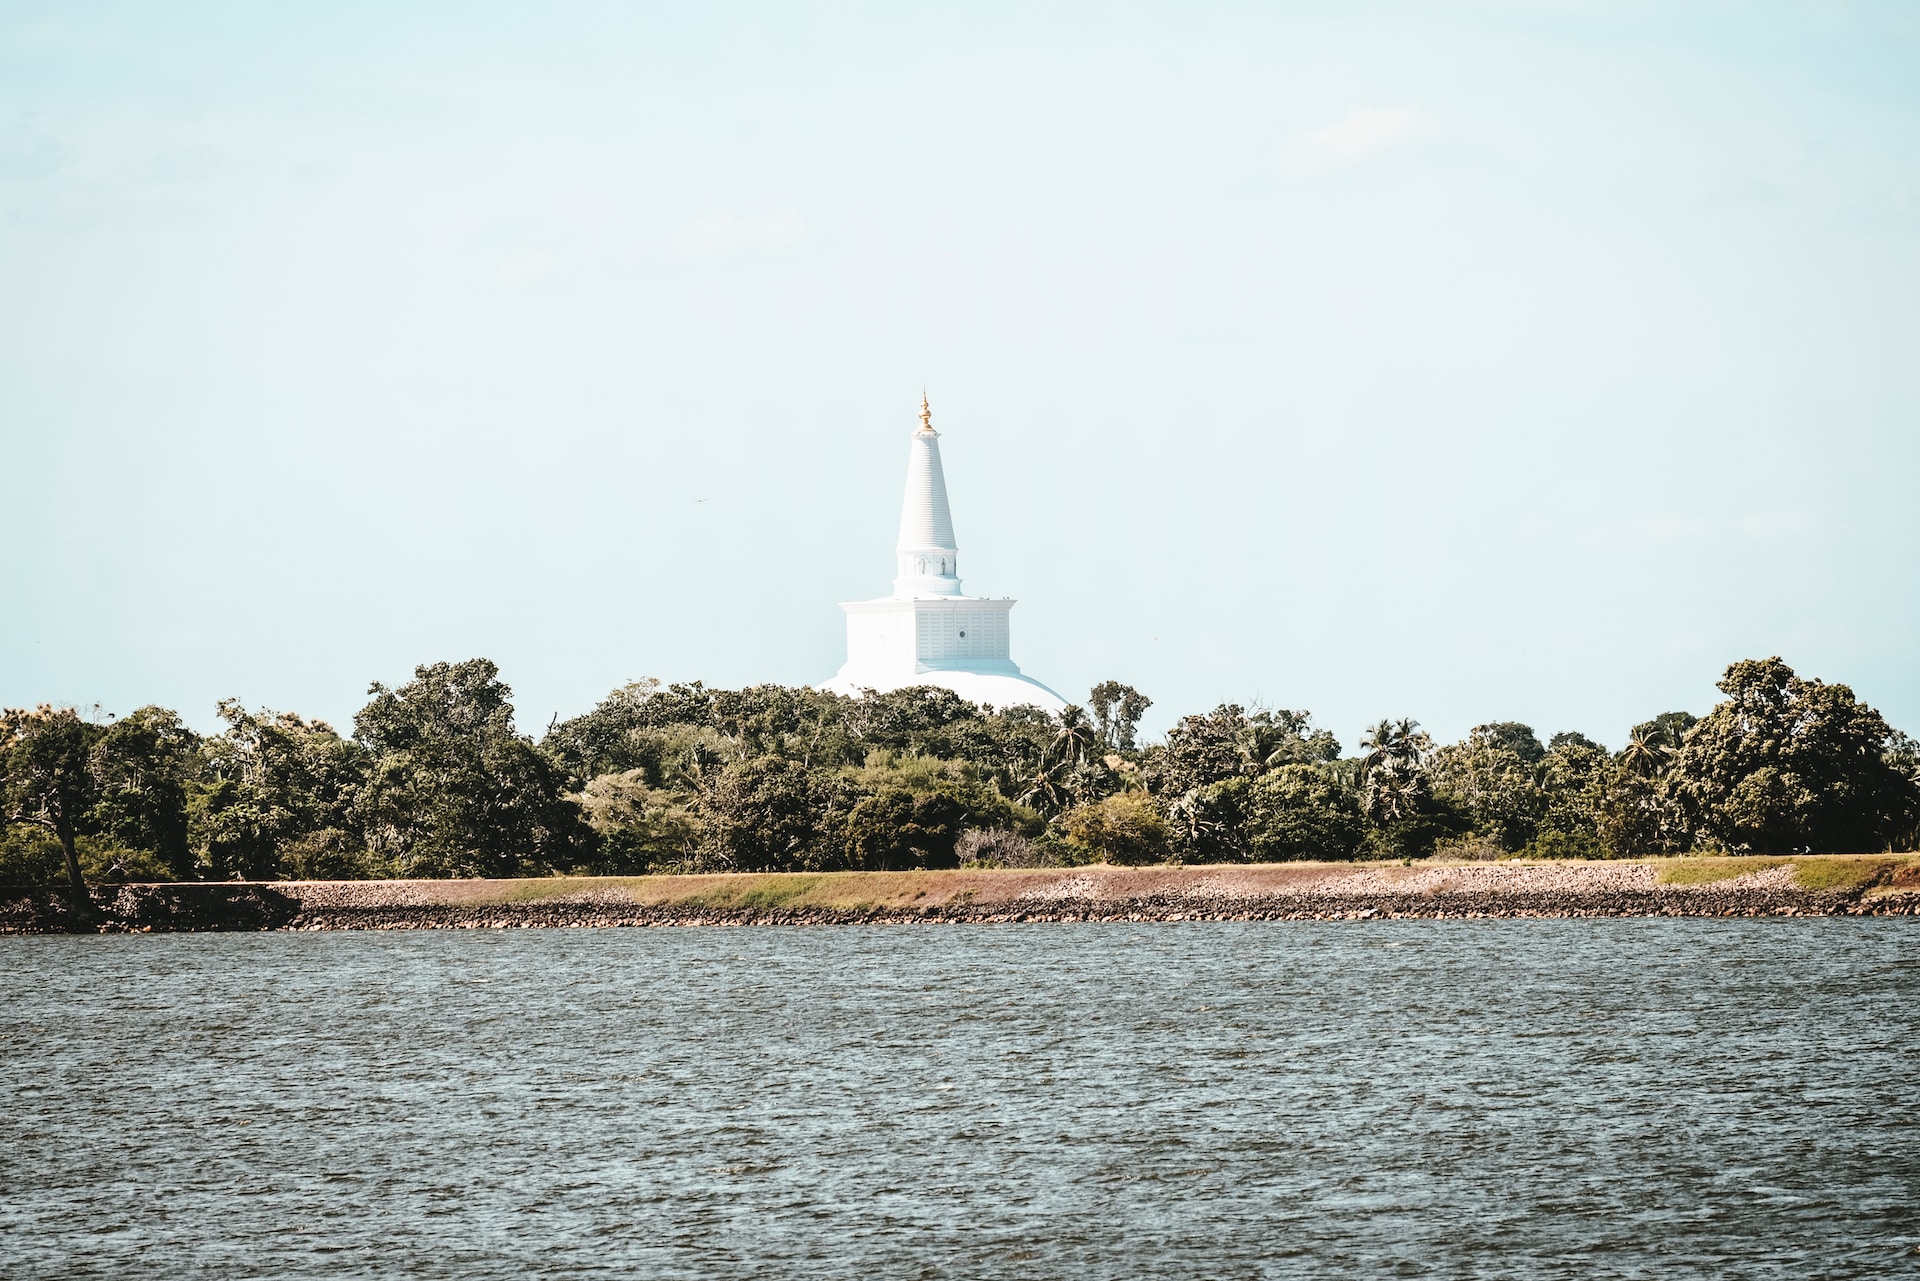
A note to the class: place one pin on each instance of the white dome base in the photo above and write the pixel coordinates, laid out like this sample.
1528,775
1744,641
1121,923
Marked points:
989,689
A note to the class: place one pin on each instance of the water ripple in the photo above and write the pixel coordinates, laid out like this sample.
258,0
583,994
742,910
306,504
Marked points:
1609,1098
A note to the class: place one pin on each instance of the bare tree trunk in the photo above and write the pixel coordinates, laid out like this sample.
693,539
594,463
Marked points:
82,901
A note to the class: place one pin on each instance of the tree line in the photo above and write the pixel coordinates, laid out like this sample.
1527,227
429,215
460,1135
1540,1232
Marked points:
435,780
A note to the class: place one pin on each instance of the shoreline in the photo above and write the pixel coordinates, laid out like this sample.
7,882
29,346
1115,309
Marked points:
1808,885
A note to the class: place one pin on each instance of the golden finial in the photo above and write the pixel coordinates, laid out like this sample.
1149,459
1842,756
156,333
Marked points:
926,412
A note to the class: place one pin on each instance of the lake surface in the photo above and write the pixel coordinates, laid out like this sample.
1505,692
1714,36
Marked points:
1630,1098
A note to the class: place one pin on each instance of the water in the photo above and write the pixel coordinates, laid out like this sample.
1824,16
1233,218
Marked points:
1635,1098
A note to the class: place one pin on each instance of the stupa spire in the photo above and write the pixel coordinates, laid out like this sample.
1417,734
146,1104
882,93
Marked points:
928,558
928,632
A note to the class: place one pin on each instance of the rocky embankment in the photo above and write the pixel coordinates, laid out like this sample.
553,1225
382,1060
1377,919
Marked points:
1694,887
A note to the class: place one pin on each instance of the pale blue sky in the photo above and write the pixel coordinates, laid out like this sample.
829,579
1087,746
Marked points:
1479,361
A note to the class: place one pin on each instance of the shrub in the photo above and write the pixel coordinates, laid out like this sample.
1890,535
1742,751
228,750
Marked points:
1471,849
998,847
1125,829
1565,845
1437,823
328,855
29,856
104,863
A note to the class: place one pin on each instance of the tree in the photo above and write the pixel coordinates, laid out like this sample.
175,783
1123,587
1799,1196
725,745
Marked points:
641,827
641,725
896,829
601,741
1303,812
1653,744
1510,736
1393,769
772,815
1208,824
911,811
1568,738
1573,778
273,782
1406,818
452,789
1046,789
143,765
1270,739
1903,757
48,780
1636,813
1073,737
1201,775
1496,775
1065,772
1117,710
1200,750
1088,781
1786,763
924,720
1636,816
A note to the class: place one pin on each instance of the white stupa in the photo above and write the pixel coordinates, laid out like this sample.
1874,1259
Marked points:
928,632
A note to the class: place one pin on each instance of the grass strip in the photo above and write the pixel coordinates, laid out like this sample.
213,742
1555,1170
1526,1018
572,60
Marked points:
1718,867
1843,873
912,890
1816,872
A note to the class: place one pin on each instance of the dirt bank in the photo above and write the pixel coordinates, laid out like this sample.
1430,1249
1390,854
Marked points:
1806,886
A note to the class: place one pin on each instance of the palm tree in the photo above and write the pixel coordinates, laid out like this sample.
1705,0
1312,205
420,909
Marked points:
1043,791
1393,771
1188,818
1075,736
1395,744
1086,782
1646,753
1391,796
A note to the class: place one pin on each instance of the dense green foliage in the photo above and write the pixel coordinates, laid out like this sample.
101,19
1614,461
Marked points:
1787,763
451,790
435,781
